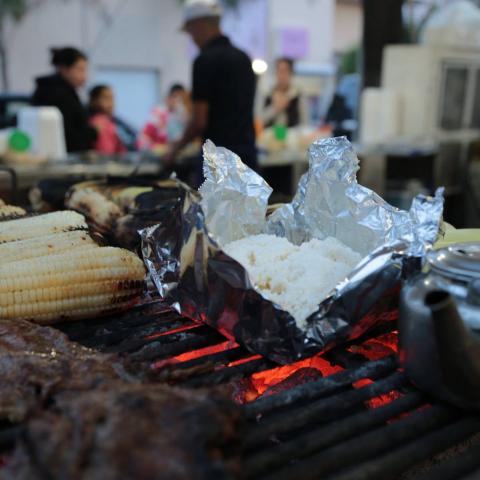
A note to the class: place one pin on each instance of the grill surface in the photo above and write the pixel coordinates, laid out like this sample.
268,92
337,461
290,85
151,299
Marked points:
348,415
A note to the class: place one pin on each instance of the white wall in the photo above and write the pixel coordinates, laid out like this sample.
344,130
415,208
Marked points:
145,34
316,16
142,33
348,26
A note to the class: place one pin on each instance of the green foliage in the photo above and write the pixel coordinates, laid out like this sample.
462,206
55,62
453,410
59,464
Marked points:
13,8
349,61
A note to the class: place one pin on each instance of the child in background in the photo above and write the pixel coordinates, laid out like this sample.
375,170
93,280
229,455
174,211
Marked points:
101,107
167,123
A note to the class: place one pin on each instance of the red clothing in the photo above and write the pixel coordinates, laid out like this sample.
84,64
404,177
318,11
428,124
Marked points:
108,141
155,133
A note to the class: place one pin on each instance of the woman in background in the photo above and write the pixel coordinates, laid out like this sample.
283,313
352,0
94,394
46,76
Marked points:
167,123
101,107
283,106
60,90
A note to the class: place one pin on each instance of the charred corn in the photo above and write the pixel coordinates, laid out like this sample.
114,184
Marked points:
88,282
98,209
9,212
47,245
34,227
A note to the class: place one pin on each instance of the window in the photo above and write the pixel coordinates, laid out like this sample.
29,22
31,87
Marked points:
455,91
136,92
475,122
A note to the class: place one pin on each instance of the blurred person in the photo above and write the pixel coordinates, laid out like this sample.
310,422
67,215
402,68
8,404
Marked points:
337,114
101,107
223,87
167,123
284,104
60,90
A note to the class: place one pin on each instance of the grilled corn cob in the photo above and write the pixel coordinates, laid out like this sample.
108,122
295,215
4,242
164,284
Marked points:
98,209
85,283
34,227
9,212
47,245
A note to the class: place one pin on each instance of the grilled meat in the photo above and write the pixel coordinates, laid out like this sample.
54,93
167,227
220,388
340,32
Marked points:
38,362
149,432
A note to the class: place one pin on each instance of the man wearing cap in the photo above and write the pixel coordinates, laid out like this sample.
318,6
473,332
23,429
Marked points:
223,89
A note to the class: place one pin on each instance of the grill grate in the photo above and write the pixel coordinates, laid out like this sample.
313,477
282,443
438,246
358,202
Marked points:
357,419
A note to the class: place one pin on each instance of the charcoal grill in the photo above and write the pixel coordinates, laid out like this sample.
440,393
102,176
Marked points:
350,414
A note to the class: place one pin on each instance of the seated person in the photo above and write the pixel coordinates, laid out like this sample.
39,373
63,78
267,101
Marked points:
167,123
101,107
60,90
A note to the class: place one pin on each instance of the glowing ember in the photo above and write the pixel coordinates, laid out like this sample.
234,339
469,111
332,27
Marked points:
181,329
300,377
260,383
381,399
201,352
244,360
377,348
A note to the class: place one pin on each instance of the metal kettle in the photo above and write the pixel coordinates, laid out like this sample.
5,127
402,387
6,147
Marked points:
440,326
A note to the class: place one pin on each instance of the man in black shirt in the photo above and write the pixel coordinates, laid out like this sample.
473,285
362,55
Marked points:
223,89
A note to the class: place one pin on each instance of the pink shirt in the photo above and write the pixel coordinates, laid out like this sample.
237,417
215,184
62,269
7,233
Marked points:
108,141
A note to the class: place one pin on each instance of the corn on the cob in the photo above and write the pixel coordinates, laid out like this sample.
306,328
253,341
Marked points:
34,227
85,283
98,209
10,212
47,245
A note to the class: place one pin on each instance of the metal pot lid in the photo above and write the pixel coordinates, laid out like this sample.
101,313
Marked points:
460,261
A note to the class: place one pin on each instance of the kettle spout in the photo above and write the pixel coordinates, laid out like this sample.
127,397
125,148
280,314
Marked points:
458,348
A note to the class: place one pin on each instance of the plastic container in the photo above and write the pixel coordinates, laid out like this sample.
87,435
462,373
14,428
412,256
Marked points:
280,132
44,125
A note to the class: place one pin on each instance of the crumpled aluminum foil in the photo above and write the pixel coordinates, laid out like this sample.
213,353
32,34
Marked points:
202,282
232,191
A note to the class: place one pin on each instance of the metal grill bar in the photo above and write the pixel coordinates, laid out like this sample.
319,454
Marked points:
221,358
322,387
228,374
177,344
368,445
317,439
320,411
455,469
398,461
128,323
291,435
474,476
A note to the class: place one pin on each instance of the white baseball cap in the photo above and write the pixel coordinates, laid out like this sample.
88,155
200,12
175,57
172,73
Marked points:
200,9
